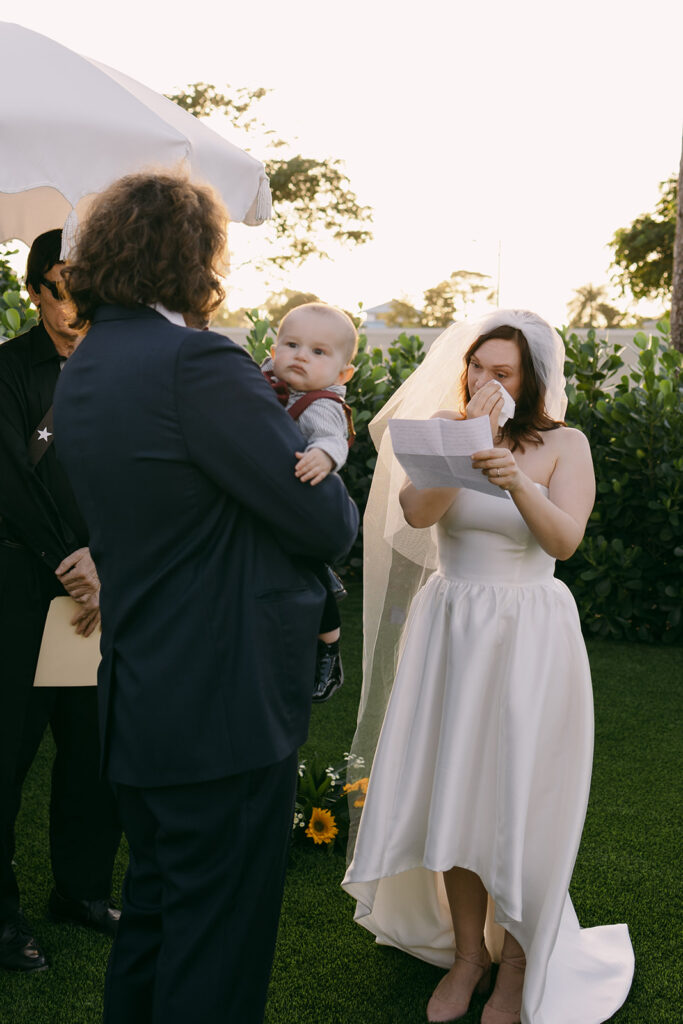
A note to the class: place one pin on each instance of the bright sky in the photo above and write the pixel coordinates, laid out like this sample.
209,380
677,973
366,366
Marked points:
535,127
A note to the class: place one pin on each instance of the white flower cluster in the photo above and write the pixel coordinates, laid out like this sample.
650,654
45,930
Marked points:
332,775
301,769
299,820
353,761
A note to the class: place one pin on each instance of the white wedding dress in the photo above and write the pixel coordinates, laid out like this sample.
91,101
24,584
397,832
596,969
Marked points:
484,761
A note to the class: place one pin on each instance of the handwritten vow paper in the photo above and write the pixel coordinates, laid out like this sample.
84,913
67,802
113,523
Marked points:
436,453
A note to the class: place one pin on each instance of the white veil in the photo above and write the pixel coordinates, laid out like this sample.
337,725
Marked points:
398,559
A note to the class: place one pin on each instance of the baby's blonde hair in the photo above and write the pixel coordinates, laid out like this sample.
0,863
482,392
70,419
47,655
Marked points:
348,333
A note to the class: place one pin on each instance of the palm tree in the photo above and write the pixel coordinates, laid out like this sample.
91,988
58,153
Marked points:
589,308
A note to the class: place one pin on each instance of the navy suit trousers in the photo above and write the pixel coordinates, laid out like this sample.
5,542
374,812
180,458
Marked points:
201,899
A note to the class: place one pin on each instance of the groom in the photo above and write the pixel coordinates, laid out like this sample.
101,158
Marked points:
182,460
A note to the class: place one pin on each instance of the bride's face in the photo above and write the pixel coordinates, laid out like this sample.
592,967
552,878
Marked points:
496,359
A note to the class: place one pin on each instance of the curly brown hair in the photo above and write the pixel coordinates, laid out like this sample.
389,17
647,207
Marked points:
530,418
150,237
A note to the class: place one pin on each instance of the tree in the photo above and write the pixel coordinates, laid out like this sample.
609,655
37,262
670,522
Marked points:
442,303
451,296
280,303
589,308
275,307
225,317
610,315
313,203
202,100
677,291
401,314
643,252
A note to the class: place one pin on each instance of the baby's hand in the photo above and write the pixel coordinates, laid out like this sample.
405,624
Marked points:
313,466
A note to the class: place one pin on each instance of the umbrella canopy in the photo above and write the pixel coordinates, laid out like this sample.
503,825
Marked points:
69,127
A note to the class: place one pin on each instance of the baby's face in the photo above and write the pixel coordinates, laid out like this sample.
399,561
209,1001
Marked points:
310,353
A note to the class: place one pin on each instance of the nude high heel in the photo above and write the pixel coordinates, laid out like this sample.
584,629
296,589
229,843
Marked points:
451,998
499,1008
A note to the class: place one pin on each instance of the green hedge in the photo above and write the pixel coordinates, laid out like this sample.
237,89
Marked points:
627,576
16,312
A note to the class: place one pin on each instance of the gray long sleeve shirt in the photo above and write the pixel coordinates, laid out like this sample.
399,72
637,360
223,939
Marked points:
323,423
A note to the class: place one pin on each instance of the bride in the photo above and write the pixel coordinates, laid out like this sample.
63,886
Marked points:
481,773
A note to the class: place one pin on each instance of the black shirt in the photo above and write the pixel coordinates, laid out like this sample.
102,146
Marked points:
37,505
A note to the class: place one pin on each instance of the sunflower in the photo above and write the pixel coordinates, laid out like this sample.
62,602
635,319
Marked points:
322,828
361,785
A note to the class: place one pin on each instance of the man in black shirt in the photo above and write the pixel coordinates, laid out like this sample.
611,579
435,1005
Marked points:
44,554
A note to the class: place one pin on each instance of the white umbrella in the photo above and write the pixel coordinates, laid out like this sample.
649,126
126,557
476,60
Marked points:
70,126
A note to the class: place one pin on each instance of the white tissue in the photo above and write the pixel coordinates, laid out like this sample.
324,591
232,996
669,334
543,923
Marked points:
508,410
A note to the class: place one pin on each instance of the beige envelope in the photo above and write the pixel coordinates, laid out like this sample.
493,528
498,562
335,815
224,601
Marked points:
66,659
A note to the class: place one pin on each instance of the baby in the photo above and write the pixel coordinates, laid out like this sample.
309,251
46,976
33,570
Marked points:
310,363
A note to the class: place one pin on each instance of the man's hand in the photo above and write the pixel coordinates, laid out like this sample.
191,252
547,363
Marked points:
313,466
78,575
87,617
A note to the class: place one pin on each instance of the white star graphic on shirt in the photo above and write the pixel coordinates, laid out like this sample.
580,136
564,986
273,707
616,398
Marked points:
44,434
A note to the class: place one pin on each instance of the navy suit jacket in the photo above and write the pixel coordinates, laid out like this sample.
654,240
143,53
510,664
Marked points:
182,462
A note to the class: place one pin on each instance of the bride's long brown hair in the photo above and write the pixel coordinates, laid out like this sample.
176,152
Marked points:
530,418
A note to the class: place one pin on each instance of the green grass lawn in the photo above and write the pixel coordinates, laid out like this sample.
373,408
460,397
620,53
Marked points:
328,970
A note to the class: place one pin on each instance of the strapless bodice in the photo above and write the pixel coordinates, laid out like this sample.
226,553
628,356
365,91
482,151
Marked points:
484,539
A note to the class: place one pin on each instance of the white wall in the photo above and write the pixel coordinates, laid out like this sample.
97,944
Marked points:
378,337
382,337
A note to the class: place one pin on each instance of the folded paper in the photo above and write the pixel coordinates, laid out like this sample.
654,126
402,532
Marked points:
437,452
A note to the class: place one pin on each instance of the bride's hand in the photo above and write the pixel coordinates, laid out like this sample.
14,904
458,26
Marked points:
498,464
487,401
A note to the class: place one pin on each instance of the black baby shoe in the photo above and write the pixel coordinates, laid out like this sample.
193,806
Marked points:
329,672
334,584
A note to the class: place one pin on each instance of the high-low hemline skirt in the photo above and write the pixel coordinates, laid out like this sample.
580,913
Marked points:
484,761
